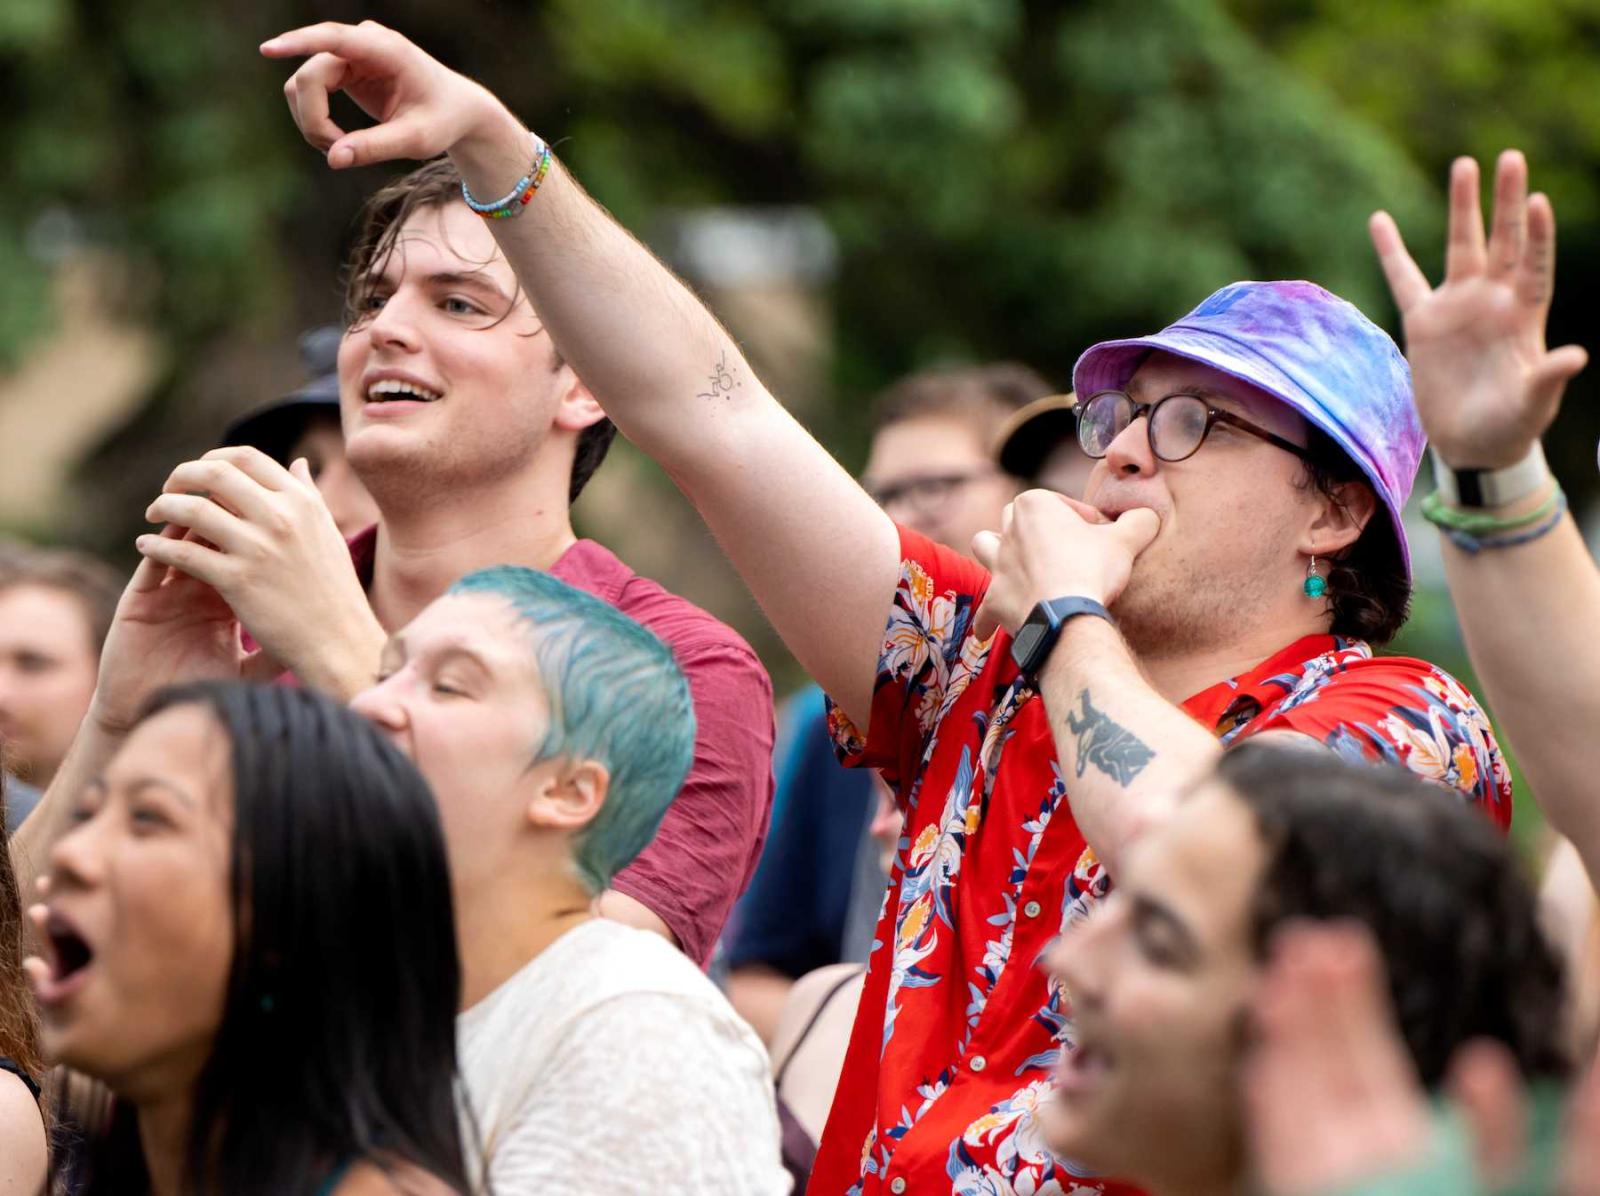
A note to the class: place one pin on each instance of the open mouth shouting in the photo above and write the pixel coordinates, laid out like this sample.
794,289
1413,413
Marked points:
1082,1069
64,967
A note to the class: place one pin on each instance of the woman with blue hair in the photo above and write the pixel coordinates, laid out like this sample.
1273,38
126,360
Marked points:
556,732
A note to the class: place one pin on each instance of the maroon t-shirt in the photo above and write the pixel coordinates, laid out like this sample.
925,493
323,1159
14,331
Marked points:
703,856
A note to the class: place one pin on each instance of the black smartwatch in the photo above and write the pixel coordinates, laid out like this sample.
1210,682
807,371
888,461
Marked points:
1037,636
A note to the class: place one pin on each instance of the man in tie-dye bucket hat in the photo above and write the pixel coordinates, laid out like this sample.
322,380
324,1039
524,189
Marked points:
1306,362
1206,591
1243,532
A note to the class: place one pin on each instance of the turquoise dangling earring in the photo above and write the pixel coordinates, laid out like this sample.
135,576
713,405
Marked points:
1316,585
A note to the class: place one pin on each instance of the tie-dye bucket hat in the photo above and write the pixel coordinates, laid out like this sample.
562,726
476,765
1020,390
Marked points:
1312,350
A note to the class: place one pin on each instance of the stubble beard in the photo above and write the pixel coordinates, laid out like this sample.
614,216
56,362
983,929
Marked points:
1179,607
434,474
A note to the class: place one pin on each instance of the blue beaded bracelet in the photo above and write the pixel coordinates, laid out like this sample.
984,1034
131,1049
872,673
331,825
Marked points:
512,203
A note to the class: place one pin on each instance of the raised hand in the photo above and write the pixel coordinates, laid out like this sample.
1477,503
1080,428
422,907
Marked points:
422,106
169,630
268,546
1052,546
1486,385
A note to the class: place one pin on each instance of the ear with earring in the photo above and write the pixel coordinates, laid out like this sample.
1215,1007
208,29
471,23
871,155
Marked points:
1316,585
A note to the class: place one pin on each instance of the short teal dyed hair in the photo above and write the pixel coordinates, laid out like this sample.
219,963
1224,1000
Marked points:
616,697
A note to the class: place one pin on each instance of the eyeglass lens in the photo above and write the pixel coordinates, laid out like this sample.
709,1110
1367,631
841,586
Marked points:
1177,424
926,493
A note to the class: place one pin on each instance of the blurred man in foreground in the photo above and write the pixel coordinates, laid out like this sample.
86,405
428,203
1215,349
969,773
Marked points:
1276,842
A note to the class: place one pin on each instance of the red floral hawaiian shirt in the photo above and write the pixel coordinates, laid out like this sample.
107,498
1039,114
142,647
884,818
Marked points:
958,1031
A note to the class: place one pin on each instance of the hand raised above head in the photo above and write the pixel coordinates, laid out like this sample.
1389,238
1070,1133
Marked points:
1486,386
1052,546
422,107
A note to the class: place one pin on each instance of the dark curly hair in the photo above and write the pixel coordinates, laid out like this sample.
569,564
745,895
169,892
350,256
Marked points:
1439,888
433,185
1367,583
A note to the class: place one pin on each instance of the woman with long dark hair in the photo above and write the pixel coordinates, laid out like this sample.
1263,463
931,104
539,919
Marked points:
250,941
22,1136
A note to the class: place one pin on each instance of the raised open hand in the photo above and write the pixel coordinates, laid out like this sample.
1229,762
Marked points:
422,106
1486,386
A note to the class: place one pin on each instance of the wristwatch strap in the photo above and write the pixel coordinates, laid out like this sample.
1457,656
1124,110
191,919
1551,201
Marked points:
1055,613
1071,606
1491,487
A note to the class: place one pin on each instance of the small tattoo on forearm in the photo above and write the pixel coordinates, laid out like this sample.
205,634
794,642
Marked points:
1110,747
722,381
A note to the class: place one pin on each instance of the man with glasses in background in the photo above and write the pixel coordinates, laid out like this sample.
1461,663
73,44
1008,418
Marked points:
931,464
1211,586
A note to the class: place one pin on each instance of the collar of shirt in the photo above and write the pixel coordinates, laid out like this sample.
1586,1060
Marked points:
1220,706
587,565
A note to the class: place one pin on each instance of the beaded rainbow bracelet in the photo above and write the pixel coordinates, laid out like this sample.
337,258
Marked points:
512,203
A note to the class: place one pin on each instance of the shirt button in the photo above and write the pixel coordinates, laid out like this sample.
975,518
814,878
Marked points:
978,1063
897,1185
1031,910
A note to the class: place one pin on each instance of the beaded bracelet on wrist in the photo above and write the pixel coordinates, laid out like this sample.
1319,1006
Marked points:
512,203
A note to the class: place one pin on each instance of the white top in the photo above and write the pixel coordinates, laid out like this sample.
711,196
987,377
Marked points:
610,1063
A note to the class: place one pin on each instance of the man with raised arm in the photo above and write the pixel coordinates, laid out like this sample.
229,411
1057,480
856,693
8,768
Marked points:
1243,523
474,436
1525,587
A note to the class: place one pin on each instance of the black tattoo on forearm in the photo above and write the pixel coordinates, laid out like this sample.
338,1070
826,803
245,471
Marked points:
722,380
1110,747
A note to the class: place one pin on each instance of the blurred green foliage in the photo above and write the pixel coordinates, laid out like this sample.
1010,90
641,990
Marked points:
1448,77
1006,178
140,126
